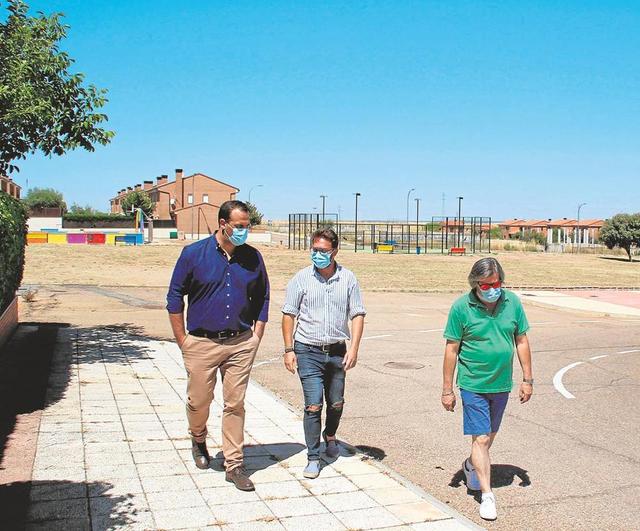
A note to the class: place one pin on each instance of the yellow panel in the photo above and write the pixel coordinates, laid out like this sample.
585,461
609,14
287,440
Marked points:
57,238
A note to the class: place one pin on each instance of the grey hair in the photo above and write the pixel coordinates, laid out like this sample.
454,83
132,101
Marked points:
483,268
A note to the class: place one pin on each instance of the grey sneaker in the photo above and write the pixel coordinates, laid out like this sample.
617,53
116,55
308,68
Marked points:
312,470
332,449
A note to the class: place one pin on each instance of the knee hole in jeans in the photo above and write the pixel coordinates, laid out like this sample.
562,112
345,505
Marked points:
313,408
337,405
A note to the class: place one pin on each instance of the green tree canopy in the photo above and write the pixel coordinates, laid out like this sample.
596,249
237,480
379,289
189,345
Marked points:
43,107
138,199
86,210
44,198
622,230
255,216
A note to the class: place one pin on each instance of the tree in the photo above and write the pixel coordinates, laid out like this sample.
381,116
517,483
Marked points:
255,216
43,107
86,210
622,230
138,199
44,198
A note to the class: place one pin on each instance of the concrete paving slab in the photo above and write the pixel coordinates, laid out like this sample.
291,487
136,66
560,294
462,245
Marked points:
128,465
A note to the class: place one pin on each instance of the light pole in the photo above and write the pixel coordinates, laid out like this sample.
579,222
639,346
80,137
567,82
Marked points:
355,240
251,190
323,200
408,194
460,198
417,223
578,225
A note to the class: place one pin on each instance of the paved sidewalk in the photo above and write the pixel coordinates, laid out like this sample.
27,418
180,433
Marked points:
113,453
584,301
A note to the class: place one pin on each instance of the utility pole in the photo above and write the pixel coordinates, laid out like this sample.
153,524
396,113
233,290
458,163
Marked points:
459,219
578,226
323,200
417,223
408,194
355,240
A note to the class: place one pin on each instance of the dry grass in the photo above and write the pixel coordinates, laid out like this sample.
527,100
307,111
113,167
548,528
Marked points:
151,266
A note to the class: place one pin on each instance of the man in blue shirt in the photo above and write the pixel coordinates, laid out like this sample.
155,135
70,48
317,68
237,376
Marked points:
227,288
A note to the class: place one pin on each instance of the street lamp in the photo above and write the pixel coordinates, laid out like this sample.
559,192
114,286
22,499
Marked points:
408,194
578,225
355,241
459,217
417,223
323,200
253,188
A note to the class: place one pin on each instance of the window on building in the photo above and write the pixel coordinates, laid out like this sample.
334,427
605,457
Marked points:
190,199
205,198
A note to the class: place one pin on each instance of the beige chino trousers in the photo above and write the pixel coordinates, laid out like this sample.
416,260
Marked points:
234,358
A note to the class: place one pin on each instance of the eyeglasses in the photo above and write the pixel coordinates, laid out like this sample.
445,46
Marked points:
486,287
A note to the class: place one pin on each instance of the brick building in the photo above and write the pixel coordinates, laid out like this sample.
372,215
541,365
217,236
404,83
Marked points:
191,202
9,187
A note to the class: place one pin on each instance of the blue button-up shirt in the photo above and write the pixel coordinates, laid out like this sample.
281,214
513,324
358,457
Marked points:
223,294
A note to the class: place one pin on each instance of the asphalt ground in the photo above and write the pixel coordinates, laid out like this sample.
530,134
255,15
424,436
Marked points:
558,462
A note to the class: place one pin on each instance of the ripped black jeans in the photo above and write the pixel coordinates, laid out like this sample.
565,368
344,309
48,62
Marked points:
322,376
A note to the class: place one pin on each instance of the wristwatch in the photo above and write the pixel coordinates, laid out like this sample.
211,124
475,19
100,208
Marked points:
288,349
527,380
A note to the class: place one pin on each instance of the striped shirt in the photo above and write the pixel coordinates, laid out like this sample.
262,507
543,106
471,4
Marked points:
323,307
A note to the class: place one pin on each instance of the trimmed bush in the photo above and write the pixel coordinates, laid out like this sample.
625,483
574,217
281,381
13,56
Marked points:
13,238
94,218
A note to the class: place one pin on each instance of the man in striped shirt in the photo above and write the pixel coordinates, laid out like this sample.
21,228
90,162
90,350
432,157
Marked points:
323,297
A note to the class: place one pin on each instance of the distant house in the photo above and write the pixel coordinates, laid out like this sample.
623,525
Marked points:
555,231
9,187
190,204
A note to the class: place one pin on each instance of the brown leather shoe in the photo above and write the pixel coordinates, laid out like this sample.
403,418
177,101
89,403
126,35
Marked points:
239,478
200,454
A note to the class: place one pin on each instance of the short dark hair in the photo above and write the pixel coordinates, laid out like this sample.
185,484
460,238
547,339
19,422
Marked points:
229,206
326,234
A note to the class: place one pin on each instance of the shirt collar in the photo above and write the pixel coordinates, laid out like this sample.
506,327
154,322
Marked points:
335,276
473,299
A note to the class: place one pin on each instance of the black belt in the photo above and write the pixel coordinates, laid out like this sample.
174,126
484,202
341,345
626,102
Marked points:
330,347
220,334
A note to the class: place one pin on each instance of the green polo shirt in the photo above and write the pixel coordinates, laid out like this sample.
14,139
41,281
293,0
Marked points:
487,341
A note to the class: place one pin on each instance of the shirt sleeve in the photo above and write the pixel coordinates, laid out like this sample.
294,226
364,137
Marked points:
522,321
455,328
266,293
356,306
179,285
293,297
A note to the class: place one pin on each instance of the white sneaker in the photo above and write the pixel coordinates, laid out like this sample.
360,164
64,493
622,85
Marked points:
488,509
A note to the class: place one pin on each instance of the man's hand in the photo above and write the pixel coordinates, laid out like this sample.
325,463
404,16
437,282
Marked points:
526,390
448,400
180,340
291,362
350,359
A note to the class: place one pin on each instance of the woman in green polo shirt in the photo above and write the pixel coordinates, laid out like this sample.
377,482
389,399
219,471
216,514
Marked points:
484,328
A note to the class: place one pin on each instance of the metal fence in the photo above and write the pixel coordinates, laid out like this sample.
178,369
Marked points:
438,236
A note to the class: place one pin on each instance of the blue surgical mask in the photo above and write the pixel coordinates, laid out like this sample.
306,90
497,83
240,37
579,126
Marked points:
321,260
491,295
239,236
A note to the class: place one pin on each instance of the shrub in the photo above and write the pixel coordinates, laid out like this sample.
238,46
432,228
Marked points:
97,217
13,238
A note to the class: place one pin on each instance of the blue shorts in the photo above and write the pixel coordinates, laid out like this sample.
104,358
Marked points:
482,412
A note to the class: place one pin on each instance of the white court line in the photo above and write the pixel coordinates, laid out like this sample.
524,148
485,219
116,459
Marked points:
415,315
432,330
557,378
377,337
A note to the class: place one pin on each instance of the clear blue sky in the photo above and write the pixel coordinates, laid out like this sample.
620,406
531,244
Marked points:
524,108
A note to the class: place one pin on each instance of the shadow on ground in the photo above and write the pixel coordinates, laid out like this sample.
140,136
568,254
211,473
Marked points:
65,505
501,476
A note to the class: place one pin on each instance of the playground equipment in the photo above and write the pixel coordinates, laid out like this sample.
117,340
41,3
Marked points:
443,235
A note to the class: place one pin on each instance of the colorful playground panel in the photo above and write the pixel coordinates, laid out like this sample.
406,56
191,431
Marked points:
58,238
37,237
96,238
76,238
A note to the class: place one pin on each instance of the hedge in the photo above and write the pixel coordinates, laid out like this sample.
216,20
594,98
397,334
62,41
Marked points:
13,238
93,218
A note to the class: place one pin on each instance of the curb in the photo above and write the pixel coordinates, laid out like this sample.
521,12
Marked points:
463,520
